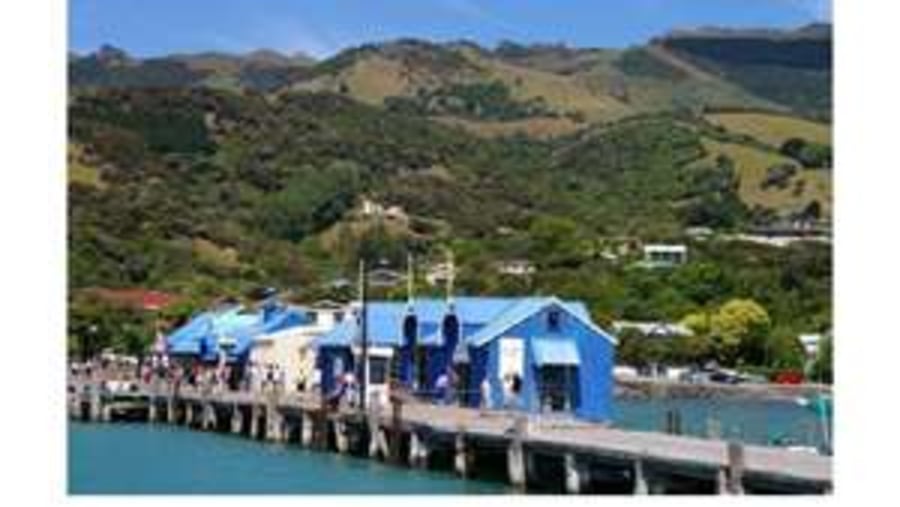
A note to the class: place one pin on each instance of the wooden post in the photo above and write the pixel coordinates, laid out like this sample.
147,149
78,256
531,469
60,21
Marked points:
735,475
307,422
237,419
170,409
189,413
341,440
396,428
418,450
106,411
96,413
152,415
461,458
208,421
274,429
515,454
576,474
254,421
640,479
378,441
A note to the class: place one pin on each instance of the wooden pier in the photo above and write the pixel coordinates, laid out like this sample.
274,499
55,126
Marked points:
546,453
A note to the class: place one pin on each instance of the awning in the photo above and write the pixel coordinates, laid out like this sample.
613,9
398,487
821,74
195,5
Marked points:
558,352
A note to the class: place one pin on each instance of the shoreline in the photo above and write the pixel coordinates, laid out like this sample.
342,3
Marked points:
640,388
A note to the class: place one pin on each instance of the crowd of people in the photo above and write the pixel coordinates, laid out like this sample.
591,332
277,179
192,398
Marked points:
270,377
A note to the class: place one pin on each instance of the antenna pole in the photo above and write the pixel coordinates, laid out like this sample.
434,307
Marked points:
364,371
451,276
410,279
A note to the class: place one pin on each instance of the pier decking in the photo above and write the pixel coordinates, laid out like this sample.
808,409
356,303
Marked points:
543,452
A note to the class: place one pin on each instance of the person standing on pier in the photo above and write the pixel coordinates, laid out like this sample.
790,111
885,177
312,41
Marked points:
485,394
442,385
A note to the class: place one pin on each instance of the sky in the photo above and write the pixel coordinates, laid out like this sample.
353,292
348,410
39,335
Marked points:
322,28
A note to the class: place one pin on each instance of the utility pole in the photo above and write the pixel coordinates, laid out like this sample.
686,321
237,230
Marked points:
364,337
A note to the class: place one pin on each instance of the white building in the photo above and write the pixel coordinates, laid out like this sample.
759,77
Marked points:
653,329
440,273
517,267
664,256
292,349
811,344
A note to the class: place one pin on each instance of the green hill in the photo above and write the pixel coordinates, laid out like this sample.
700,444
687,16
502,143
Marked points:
204,174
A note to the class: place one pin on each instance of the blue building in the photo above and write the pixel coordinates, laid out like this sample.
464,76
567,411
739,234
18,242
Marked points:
231,329
550,349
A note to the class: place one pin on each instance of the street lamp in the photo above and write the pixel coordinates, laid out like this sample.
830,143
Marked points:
364,336
87,341
364,331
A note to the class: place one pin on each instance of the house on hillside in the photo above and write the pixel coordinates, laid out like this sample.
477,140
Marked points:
664,256
536,354
516,267
652,329
385,277
374,210
440,273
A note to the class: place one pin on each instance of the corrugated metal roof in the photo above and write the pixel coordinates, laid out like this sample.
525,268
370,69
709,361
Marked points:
233,323
528,307
482,318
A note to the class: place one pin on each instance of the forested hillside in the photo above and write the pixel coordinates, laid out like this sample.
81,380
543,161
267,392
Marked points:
211,175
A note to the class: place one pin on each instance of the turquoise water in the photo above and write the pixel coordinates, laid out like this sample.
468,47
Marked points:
752,421
151,459
141,459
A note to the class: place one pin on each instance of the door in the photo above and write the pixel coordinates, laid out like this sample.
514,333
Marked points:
558,388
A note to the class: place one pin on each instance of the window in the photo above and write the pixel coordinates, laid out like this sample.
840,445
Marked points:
553,319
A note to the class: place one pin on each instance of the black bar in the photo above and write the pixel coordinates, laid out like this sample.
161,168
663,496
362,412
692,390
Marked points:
363,374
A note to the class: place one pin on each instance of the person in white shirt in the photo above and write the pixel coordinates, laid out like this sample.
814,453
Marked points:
485,394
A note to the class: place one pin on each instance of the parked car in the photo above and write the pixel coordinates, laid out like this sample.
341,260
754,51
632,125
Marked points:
725,377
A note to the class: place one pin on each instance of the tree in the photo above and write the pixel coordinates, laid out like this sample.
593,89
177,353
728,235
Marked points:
739,329
823,368
699,346
554,239
638,350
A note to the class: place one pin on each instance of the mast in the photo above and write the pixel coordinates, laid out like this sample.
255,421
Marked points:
450,277
364,336
410,281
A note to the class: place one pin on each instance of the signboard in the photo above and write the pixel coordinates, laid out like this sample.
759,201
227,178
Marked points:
512,357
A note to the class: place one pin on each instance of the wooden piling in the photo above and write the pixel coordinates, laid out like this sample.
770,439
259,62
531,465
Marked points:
418,450
515,454
237,419
341,438
461,458
254,421
307,428
396,428
576,474
640,479
735,475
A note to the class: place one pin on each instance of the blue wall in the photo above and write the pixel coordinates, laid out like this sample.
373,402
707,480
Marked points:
594,386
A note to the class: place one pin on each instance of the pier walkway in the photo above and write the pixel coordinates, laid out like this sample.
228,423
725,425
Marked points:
530,451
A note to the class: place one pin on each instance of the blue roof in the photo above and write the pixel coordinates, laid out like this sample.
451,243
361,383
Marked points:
481,318
202,333
525,308
555,351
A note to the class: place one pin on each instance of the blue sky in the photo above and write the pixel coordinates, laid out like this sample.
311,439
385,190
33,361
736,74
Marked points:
324,27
